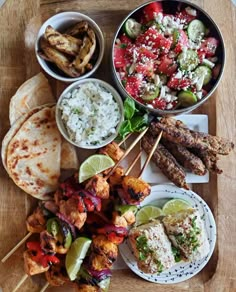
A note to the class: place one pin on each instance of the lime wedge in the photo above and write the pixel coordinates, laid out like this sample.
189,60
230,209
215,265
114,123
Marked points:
93,165
75,256
104,284
174,206
147,213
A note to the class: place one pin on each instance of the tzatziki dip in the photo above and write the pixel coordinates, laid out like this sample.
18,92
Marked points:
90,114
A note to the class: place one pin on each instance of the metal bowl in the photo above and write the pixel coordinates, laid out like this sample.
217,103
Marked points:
61,22
61,125
171,6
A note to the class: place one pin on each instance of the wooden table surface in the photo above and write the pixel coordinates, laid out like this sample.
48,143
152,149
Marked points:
19,23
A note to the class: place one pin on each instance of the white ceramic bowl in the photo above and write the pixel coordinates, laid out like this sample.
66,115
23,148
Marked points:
61,124
61,22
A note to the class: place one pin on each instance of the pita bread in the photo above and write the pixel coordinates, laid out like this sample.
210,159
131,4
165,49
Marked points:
34,92
34,154
69,159
13,130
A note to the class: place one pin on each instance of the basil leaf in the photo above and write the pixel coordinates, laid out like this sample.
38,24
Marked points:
129,108
125,129
139,123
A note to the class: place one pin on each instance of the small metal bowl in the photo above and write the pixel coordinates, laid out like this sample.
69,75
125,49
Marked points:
171,6
61,22
61,125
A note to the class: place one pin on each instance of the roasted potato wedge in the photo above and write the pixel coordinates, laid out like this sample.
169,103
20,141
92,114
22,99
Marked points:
86,51
58,58
78,29
63,42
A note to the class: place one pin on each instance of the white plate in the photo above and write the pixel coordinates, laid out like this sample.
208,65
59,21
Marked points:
152,174
182,270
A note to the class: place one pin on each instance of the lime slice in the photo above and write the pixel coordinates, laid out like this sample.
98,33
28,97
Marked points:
147,213
75,256
94,165
174,206
104,284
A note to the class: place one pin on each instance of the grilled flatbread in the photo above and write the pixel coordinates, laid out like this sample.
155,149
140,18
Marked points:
34,92
69,159
34,154
13,130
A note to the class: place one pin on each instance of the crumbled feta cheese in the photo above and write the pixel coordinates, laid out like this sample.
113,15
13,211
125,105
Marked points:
191,11
199,94
179,75
208,63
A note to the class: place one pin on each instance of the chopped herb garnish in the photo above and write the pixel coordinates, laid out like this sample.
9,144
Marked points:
176,253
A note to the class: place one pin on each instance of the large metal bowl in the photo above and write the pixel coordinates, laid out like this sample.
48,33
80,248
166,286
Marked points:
171,6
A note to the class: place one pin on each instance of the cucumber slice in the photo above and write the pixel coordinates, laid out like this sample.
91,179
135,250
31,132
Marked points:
196,30
203,71
176,35
151,94
188,60
187,98
132,28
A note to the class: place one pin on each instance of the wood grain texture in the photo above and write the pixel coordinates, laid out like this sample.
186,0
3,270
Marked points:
19,22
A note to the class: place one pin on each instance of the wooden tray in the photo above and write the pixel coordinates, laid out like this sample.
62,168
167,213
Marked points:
18,62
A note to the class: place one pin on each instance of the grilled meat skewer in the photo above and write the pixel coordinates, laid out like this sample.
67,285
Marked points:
185,158
165,161
191,139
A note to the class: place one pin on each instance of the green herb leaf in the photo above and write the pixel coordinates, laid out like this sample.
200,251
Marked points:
138,123
125,129
129,108
176,253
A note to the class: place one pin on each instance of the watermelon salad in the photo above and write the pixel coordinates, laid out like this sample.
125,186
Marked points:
166,61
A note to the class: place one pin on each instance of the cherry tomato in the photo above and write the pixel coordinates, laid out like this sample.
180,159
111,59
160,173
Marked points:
151,10
167,66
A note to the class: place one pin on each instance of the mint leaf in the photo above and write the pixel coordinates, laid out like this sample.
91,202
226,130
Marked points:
129,108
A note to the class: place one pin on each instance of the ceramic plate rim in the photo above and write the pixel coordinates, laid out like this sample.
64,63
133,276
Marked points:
171,191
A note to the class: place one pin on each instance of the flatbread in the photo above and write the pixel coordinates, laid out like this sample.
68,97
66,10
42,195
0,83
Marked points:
14,129
69,159
34,154
34,92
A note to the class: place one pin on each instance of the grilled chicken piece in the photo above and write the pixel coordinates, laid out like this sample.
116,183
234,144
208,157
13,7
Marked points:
36,222
101,245
50,244
135,189
116,178
119,220
104,253
70,211
124,220
191,139
57,275
58,58
187,159
63,42
113,150
86,288
165,161
98,186
100,262
30,266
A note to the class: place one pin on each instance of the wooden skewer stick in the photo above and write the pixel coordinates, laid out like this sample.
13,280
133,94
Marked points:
21,282
16,247
150,154
126,137
126,153
45,287
133,163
